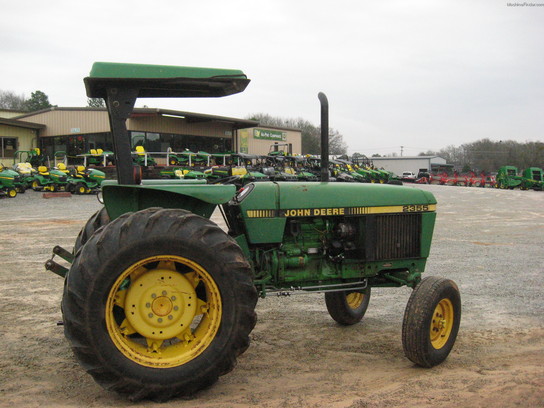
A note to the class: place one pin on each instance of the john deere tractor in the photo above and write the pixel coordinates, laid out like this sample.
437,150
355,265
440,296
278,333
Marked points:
85,180
160,301
10,182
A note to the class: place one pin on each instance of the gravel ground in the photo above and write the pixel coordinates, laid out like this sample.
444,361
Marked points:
489,241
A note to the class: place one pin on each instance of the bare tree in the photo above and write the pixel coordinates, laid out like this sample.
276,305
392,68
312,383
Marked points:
12,101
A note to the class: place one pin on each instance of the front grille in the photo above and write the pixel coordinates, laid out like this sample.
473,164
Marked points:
393,236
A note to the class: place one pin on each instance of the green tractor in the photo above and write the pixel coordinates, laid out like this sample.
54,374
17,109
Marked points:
142,158
27,173
85,181
507,178
55,179
532,178
10,182
97,157
34,157
159,301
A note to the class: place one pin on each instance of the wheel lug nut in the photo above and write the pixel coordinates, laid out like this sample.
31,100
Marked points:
150,314
159,320
148,305
176,308
164,293
170,317
153,295
173,298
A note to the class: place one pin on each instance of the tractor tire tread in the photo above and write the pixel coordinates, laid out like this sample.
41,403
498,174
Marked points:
416,322
341,312
106,242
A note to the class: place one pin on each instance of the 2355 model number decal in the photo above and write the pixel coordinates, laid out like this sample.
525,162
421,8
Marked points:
415,208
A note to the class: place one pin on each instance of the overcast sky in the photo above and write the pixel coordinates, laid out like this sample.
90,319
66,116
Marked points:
418,74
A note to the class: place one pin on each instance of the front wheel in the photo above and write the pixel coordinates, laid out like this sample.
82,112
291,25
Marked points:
347,308
159,303
431,321
80,188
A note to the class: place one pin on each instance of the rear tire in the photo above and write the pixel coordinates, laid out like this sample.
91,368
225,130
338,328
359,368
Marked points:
348,308
431,321
159,303
98,220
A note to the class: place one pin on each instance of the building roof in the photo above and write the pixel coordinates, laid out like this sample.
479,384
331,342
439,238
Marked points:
193,117
20,123
190,117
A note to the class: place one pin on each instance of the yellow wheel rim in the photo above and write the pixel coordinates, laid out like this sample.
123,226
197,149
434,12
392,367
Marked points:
81,190
354,299
12,193
159,317
35,184
442,323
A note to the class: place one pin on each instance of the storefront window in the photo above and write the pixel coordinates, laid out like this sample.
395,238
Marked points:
8,146
74,146
160,142
137,139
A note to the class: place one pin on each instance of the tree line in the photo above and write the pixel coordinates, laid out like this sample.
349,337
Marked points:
487,155
10,100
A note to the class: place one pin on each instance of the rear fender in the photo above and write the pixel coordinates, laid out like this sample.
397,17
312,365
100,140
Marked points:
200,199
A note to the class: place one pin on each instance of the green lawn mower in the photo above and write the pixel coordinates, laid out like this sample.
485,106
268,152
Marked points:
10,182
85,181
50,180
159,301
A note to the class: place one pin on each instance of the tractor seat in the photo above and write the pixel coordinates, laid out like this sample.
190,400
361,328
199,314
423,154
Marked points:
43,171
140,150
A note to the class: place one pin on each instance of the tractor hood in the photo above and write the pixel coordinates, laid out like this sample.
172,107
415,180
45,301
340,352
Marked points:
285,196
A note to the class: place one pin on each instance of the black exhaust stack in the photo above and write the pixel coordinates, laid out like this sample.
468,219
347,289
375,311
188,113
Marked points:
324,136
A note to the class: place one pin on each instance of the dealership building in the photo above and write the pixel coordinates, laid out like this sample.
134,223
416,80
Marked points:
76,131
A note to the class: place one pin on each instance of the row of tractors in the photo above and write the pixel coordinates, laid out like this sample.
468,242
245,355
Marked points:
240,168
277,165
34,174
508,177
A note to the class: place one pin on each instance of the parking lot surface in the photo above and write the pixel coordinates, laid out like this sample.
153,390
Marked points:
489,241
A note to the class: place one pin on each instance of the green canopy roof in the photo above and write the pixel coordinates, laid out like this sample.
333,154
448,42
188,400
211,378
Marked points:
164,80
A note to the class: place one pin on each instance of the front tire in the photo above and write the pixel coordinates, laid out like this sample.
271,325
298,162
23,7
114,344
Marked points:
348,308
159,303
431,321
